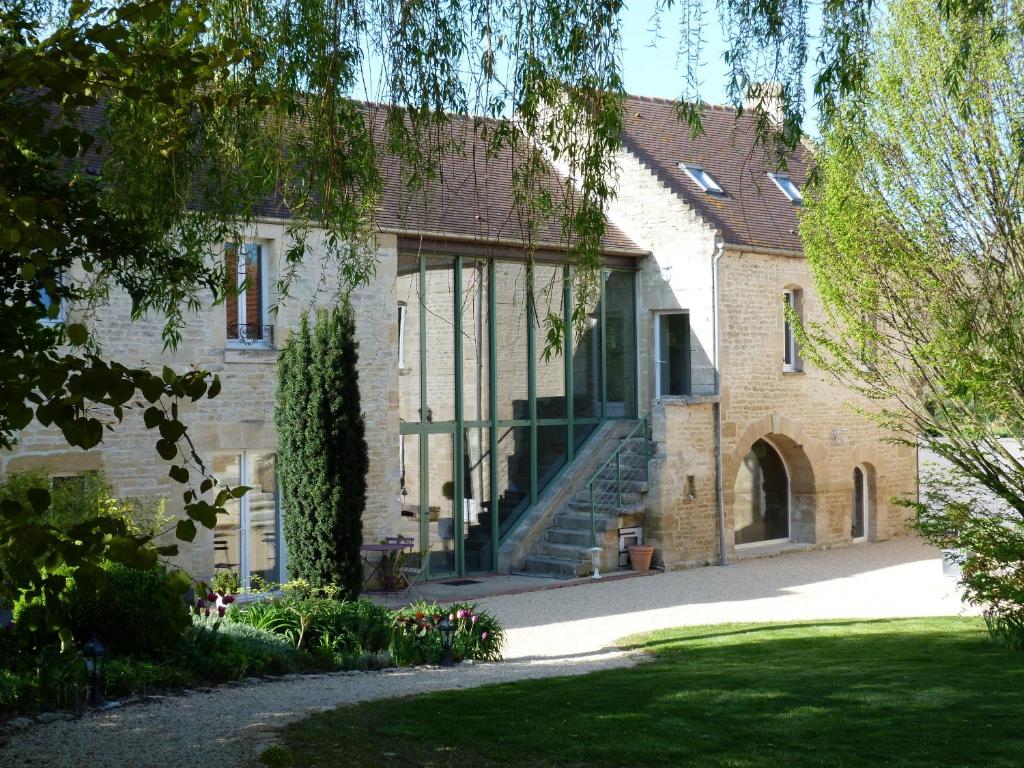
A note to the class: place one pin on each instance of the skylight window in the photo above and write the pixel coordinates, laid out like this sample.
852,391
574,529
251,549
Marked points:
789,189
702,178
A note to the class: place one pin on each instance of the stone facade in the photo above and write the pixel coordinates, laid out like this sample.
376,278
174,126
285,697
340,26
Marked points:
241,418
805,415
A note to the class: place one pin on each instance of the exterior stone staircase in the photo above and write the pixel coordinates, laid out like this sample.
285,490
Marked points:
616,492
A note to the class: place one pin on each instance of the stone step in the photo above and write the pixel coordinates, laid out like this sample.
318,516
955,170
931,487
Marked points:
575,536
578,521
535,565
607,508
573,552
631,491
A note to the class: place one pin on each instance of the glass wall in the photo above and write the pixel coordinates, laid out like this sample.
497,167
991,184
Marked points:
490,411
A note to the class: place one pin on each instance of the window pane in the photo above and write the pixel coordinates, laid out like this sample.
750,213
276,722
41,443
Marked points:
549,294
441,510
552,452
253,291
407,290
231,300
674,354
439,327
477,502
264,535
513,465
620,320
475,348
513,368
227,469
409,484
586,367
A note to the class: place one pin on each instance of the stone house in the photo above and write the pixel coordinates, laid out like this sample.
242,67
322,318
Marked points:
683,409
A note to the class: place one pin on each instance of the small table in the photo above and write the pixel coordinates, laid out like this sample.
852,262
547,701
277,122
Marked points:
375,569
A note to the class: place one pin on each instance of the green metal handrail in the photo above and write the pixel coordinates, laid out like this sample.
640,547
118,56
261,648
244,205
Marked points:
643,427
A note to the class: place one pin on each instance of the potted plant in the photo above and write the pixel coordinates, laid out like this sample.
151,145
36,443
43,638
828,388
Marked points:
640,556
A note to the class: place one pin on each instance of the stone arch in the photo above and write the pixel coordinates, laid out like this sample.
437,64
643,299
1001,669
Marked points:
787,438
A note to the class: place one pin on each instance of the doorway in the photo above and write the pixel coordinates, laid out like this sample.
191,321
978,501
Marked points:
762,507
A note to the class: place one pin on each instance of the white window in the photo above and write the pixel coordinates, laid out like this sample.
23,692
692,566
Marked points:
788,187
403,310
702,178
790,351
247,318
247,538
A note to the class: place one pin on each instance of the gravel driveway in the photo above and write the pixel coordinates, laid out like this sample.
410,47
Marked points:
551,632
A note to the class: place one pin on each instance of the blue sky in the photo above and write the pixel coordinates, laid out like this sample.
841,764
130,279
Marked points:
649,61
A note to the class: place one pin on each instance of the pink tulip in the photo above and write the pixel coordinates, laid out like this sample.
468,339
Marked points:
484,636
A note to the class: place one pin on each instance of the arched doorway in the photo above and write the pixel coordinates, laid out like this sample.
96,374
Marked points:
761,511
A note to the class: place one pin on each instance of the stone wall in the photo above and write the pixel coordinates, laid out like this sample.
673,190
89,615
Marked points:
805,415
242,416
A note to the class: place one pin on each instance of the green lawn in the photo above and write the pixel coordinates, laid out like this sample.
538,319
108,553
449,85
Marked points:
925,692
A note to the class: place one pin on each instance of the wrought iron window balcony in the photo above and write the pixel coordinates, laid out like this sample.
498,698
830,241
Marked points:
249,334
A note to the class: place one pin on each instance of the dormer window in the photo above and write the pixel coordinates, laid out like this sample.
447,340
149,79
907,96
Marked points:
789,189
702,179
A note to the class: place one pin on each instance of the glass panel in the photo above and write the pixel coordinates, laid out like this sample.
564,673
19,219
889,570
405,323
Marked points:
513,368
475,349
477,504
439,327
552,452
407,289
227,556
548,296
264,538
441,502
674,354
761,509
620,319
513,466
586,368
859,503
583,431
409,485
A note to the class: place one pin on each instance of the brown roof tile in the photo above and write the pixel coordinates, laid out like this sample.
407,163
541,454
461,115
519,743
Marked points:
753,212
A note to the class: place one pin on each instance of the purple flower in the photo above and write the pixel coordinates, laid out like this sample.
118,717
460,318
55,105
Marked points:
200,604
451,617
472,618
206,612
220,610
460,614
229,599
212,597
484,636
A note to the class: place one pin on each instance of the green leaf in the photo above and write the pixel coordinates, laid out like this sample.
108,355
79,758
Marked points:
77,334
169,376
185,530
152,416
39,498
178,473
167,450
239,491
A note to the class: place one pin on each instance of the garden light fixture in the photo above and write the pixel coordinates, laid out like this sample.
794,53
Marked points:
447,629
95,654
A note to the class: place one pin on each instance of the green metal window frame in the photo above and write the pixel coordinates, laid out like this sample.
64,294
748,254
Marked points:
457,428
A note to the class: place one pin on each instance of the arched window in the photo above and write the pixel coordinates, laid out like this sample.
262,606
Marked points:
861,504
792,299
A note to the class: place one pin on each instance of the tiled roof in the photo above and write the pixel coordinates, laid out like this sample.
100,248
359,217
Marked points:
753,212
471,199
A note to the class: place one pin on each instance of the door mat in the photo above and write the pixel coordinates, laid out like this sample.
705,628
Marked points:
460,582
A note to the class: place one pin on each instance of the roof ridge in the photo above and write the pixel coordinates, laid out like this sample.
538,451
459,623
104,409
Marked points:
674,101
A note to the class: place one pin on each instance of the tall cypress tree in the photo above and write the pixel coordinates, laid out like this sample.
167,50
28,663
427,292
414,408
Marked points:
322,454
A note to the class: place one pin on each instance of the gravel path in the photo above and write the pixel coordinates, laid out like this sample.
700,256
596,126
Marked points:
551,632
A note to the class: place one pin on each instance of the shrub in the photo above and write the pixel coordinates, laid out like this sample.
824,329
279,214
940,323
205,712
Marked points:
134,612
415,638
989,538
341,628
322,454
219,650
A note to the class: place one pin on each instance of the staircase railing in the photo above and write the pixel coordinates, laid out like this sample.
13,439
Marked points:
606,484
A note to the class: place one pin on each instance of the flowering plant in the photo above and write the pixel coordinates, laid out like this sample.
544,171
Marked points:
214,601
416,639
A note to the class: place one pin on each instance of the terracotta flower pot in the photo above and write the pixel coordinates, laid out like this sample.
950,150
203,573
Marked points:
640,557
